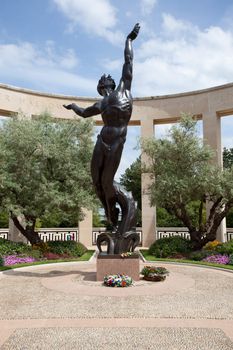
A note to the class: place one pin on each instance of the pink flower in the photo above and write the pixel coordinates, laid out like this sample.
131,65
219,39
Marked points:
14,259
217,259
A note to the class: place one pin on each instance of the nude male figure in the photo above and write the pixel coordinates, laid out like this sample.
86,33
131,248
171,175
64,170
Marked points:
115,109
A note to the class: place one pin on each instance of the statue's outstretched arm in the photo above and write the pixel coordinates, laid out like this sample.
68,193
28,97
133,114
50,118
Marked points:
85,112
128,54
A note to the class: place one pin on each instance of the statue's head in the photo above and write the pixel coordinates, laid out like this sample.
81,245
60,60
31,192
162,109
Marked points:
105,82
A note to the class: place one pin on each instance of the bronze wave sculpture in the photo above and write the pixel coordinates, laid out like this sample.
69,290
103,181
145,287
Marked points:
115,109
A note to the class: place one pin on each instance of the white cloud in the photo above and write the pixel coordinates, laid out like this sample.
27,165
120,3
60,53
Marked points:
171,24
42,69
97,17
183,57
147,6
112,65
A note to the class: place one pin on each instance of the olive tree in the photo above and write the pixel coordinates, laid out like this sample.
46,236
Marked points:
182,172
131,179
44,167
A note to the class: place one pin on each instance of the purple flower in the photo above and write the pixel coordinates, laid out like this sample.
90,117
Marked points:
14,259
217,259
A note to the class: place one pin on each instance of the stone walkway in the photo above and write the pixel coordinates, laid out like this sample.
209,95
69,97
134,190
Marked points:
61,306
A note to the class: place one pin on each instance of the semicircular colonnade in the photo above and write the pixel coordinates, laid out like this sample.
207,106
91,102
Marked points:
209,105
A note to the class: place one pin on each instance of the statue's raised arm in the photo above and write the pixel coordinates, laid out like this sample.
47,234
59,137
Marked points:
127,72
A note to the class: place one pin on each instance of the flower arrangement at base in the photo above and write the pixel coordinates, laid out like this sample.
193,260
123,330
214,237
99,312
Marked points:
118,280
154,274
126,255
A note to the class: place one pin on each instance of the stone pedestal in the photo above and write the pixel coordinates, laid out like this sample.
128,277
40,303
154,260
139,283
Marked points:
114,264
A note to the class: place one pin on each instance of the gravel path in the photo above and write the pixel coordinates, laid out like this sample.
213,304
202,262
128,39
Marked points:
69,291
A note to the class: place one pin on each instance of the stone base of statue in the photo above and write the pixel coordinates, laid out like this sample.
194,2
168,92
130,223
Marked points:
113,264
117,244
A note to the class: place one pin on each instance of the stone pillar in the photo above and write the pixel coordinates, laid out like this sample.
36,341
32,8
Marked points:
148,212
85,229
14,234
212,137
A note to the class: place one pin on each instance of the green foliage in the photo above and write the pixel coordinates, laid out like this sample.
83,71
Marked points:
131,180
231,259
36,254
4,219
58,219
199,255
71,248
152,270
11,248
1,261
45,168
228,163
170,246
60,248
229,218
164,219
227,157
184,178
225,248
179,165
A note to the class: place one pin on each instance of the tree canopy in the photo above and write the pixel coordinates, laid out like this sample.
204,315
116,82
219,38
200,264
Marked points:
227,157
181,173
131,179
44,168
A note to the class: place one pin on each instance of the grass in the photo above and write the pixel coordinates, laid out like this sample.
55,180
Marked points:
151,258
85,257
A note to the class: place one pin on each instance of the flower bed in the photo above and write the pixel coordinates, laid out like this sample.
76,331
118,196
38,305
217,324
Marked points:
14,259
118,281
217,259
14,253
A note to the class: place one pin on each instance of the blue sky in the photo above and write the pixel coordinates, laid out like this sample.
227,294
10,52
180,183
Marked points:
64,46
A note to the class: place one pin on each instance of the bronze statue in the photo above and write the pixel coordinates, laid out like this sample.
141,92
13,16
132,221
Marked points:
115,109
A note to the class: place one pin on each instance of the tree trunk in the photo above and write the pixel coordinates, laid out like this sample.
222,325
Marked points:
32,235
200,242
201,237
28,232
196,239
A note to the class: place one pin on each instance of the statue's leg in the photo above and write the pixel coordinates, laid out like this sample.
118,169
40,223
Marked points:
111,163
96,172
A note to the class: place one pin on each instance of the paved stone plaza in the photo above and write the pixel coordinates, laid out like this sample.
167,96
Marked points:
61,306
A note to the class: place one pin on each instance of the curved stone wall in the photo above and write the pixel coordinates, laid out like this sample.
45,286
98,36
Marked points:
207,104
162,109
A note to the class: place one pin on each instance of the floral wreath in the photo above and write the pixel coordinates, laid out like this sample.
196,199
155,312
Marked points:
118,280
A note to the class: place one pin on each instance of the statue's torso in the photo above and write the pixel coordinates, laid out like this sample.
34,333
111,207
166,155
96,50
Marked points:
116,110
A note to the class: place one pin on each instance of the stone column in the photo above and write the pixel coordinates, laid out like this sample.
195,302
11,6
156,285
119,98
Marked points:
212,137
14,234
85,229
148,212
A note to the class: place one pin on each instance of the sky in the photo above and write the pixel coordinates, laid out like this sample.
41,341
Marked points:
64,46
